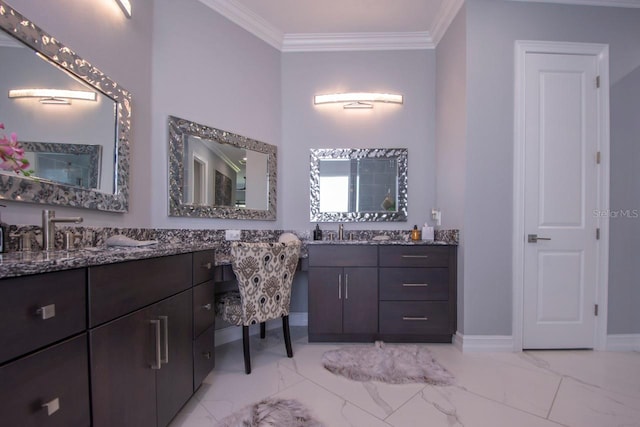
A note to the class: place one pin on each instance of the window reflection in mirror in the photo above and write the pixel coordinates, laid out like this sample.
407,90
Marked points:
358,184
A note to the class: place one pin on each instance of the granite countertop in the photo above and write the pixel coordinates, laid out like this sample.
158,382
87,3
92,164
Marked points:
15,264
379,242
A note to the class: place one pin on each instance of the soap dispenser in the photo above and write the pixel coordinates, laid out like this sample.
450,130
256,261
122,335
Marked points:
4,231
415,233
317,233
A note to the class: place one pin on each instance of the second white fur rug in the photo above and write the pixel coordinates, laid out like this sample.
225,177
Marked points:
271,412
389,363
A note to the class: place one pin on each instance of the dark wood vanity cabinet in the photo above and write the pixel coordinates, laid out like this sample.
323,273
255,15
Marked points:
44,379
395,293
204,316
343,293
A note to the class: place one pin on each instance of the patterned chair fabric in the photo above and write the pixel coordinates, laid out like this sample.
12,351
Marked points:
265,273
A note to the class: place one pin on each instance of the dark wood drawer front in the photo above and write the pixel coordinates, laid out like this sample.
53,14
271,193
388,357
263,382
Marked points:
40,309
118,289
411,284
414,256
59,372
204,313
203,266
203,356
417,317
343,256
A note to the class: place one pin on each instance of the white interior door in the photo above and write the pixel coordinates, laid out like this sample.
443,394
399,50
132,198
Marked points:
560,200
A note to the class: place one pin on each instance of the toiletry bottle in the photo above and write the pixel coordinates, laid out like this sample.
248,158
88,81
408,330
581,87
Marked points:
4,230
415,233
317,233
427,233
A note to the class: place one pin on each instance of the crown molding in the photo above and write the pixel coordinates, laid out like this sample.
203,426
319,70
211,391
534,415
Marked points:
605,3
337,42
248,20
447,12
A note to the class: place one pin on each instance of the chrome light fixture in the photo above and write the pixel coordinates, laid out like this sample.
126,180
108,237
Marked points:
53,96
358,99
125,5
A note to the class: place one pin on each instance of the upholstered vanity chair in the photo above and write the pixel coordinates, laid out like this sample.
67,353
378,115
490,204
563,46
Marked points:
264,272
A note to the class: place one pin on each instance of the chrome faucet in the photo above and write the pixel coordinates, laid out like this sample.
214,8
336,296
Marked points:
341,232
49,221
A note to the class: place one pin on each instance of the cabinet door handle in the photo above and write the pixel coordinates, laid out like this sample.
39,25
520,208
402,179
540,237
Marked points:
156,327
52,406
207,306
47,311
346,286
165,332
207,265
415,285
415,318
415,256
339,286
207,355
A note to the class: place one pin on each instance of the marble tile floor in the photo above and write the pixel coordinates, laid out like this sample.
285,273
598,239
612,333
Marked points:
534,388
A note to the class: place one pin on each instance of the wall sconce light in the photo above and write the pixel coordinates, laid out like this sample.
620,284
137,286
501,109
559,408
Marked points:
358,99
125,5
53,96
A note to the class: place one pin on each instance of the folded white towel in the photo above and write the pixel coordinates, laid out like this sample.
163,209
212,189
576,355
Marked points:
120,240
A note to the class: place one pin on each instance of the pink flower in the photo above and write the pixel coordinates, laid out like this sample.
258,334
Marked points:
12,154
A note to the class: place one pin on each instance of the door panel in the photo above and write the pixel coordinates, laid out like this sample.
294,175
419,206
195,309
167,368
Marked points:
325,300
561,141
360,311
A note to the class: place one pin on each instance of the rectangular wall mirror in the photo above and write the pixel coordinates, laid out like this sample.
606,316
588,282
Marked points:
78,149
218,174
357,185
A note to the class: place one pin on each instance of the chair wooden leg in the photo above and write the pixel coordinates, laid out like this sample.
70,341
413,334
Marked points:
263,330
245,344
287,335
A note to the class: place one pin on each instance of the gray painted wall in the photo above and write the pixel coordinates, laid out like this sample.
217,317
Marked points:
306,126
492,28
451,136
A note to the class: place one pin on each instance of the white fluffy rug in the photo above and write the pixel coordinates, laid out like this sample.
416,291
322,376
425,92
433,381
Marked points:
271,412
395,364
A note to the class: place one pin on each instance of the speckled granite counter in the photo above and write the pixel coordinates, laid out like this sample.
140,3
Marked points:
23,263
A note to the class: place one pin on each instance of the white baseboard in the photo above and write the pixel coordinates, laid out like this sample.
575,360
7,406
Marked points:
623,342
234,333
483,343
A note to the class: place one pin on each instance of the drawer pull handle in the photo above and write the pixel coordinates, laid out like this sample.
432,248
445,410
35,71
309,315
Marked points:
207,265
156,324
47,312
415,318
207,355
415,285
207,306
165,320
52,406
415,256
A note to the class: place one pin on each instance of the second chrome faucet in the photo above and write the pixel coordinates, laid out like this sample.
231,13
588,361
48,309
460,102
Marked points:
49,221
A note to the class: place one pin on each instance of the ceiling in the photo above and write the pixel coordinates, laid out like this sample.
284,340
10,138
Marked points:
335,25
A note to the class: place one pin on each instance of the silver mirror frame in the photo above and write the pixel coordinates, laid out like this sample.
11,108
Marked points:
400,154
178,129
18,188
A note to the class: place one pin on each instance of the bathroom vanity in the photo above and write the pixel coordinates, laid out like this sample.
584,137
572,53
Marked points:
122,337
366,291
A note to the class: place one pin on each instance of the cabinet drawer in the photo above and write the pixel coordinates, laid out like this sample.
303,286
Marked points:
59,372
411,284
203,266
204,313
203,356
414,317
40,309
343,256
118,289
414,256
